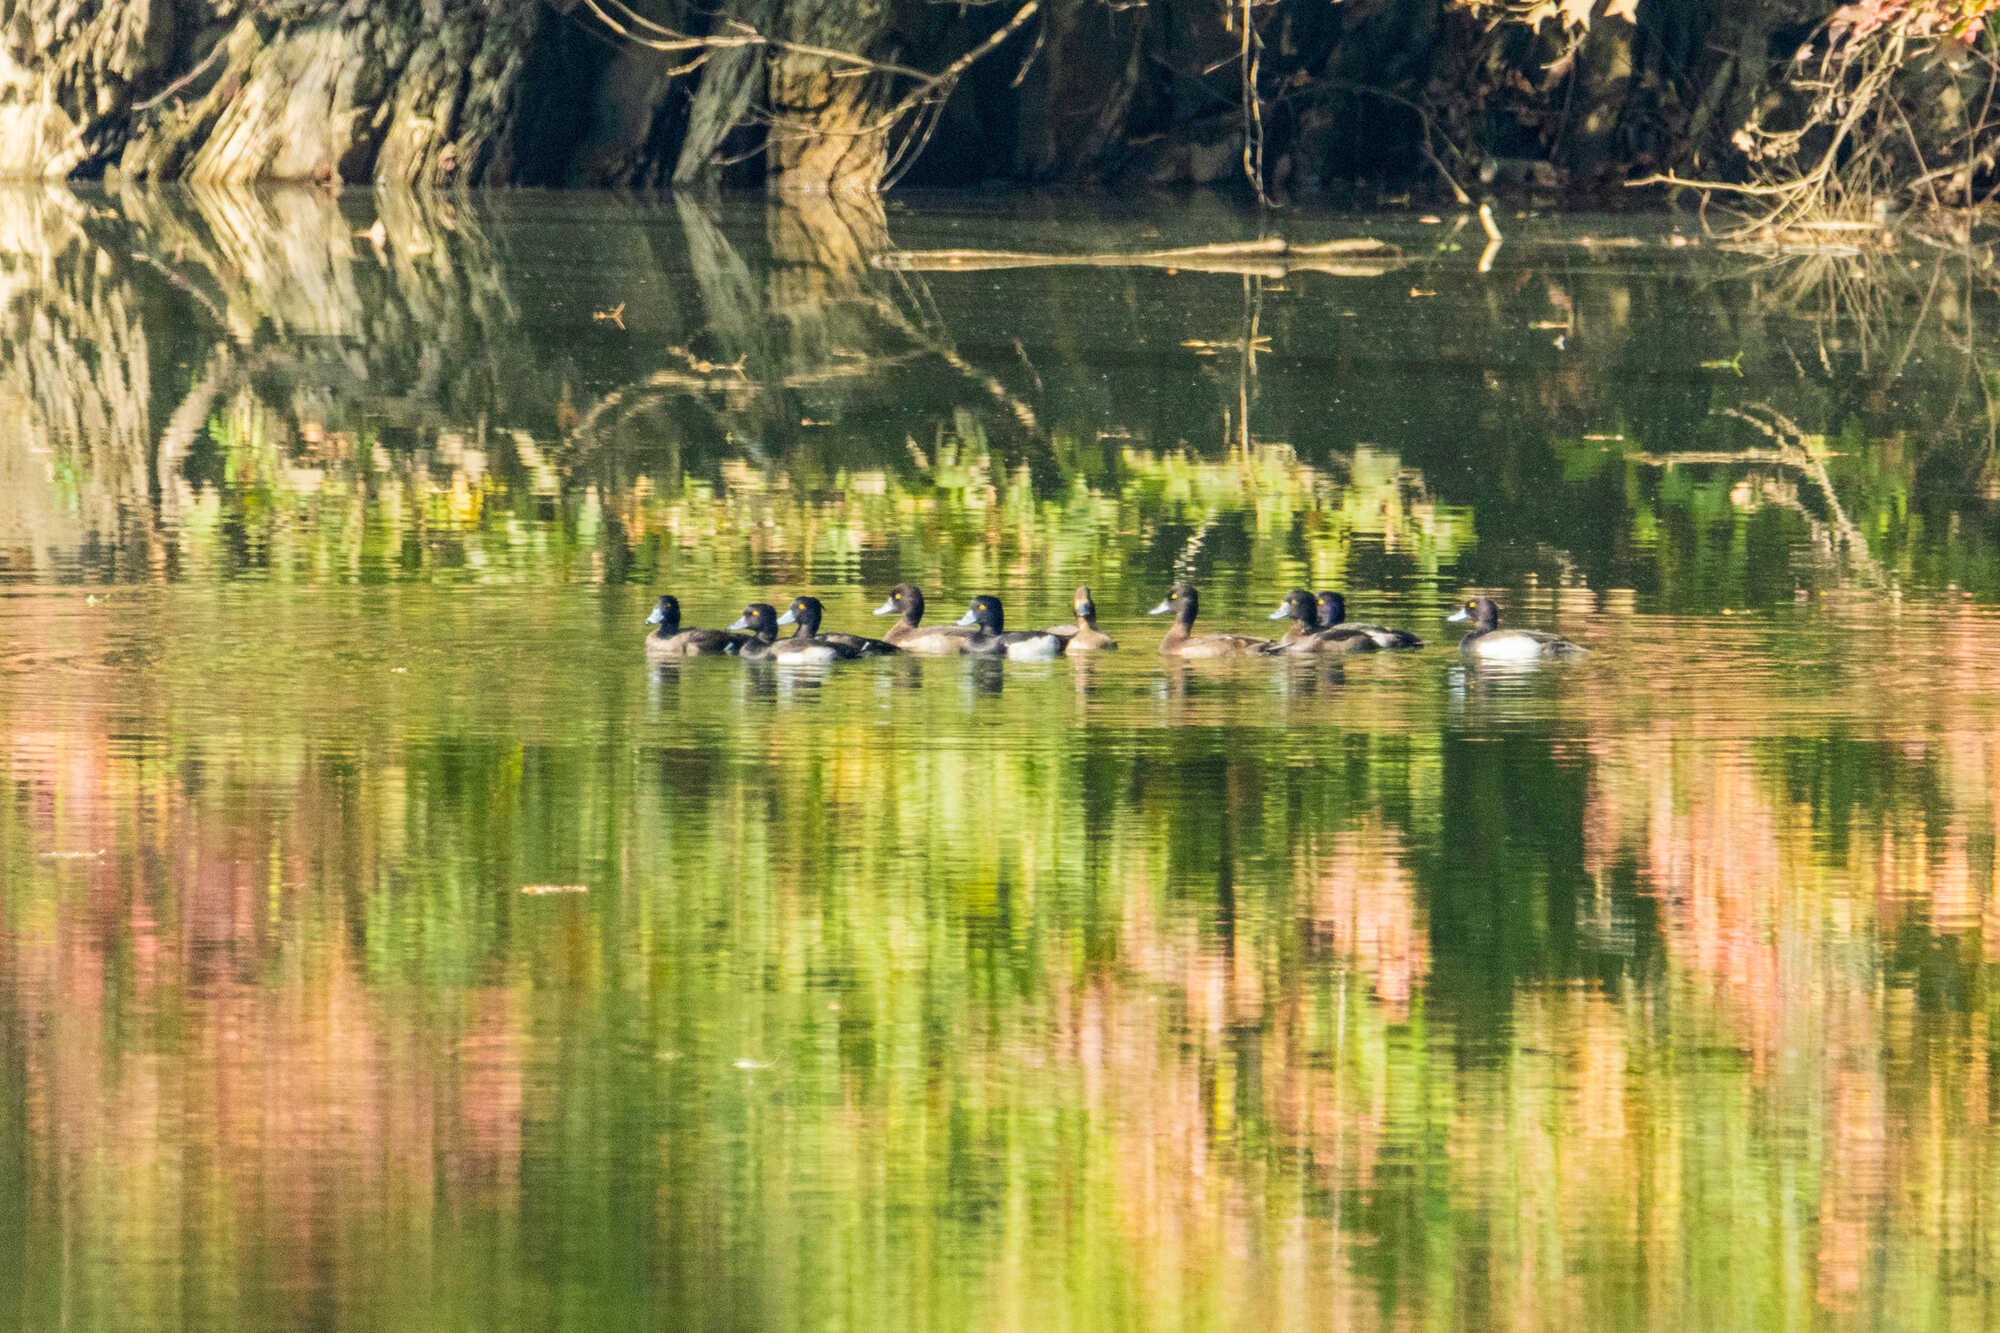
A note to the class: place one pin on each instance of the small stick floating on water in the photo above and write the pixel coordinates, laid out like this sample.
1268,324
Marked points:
1357,257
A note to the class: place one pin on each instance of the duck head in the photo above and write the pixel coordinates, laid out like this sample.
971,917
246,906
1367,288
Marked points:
985,612
905,600
1483,612
804,612
667,615
759,619
1298,605
1332,609
1085,608
1182,600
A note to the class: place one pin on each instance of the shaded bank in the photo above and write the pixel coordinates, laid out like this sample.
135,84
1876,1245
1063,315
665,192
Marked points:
1309,98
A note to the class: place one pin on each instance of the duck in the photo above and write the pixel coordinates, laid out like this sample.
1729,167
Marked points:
1084,636
670,640
1307,635
1182,641
992,639
760,621
805,612
1333,615
910,633
1488,642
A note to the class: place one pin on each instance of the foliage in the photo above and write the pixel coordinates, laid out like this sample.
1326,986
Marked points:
1886,101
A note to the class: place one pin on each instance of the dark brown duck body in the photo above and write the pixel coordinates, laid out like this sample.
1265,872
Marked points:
1308,637
760,621
806,613
909,633
1333,615
991,637
1182,641
669,640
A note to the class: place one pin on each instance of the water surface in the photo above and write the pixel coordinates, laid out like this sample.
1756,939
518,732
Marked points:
1645,992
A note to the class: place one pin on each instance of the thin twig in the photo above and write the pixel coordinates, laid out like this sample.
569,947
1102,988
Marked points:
184,80
1253,107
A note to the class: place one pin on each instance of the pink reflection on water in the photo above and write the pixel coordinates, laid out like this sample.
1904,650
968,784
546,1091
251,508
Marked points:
1362,905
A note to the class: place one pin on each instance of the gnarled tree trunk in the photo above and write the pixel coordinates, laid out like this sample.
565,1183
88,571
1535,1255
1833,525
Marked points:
828,131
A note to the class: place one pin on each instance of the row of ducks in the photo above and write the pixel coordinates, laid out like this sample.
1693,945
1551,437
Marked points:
1319,626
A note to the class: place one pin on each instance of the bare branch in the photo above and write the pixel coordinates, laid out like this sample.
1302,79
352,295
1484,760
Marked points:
927,88
184,80
672,41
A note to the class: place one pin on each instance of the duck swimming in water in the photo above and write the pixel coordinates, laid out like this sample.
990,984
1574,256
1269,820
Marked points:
806,612
1084,636
1487,642
760,620
670,640
1333,615
992,638
1182,641
1307,636
910,634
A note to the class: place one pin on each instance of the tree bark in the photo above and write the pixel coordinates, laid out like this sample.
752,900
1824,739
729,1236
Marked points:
729,81
827,133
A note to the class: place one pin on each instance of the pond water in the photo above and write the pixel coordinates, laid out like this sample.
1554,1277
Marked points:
1645,991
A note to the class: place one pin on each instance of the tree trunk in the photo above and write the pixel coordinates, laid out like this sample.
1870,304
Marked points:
827,132
728,82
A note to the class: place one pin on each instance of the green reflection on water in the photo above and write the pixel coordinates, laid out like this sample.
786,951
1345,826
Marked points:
1645,992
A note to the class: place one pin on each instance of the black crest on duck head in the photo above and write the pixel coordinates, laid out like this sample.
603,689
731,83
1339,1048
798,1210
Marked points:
805,612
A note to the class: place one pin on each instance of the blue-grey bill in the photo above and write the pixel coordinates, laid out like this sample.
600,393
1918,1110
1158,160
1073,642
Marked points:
787,619
1161,609
968,619
655,618
1280,613
888,608
1460,614
741,622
